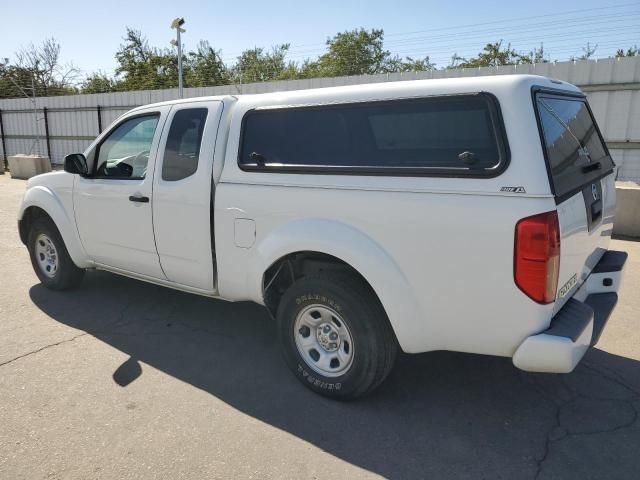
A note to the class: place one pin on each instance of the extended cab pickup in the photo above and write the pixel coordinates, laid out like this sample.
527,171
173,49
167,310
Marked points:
469,214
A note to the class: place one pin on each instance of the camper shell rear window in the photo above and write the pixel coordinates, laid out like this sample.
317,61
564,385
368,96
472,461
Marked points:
574,149
453,135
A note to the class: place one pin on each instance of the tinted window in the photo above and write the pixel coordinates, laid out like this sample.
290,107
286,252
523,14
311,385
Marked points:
438,135
575,151
183,144
125,152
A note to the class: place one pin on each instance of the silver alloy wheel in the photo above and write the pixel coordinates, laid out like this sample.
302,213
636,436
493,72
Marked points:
324,340
46,255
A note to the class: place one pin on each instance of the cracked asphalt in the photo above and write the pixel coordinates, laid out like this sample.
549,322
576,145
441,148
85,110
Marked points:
121,379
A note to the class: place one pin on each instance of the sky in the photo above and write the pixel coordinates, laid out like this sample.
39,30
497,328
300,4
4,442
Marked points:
91,32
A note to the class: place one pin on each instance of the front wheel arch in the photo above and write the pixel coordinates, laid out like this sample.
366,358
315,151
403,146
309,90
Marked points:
30,215
49,256
44,201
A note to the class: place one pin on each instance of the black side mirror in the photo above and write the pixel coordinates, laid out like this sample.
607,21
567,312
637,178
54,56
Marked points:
76,163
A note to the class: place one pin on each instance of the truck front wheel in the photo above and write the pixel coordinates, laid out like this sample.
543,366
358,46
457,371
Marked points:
335,335
50,258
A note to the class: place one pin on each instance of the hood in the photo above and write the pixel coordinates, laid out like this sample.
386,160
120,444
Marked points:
52,180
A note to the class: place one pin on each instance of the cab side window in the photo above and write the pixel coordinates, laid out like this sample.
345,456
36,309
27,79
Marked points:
183,144
124,154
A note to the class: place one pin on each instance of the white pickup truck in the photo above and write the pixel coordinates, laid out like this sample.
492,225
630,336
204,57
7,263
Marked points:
469,214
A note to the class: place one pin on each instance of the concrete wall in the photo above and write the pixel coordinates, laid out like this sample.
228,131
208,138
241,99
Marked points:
627,222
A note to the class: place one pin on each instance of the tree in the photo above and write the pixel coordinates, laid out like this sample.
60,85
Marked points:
13,80
355,52
536,55
493,55
205,67
142,67
99,82
587,52
258,65
409,64
630,52
40,67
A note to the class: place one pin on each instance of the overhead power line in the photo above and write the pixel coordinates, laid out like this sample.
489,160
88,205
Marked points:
507,27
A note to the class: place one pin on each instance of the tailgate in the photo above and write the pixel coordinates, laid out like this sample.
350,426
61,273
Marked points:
582,178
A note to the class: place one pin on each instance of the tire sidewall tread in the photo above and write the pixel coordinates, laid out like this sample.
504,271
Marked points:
375,345
68,274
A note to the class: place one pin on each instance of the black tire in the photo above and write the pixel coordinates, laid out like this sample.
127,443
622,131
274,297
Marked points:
67,275
374,344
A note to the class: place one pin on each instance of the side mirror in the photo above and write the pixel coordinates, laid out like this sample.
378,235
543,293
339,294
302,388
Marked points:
76,163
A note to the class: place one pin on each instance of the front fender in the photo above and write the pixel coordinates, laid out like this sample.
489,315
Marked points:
47,200
356,249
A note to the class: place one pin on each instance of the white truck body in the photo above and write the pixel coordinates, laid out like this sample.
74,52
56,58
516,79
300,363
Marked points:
437,250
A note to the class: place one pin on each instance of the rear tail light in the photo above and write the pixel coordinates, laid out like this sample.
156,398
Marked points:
537,256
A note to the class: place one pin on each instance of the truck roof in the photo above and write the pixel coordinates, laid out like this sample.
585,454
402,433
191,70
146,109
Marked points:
442,86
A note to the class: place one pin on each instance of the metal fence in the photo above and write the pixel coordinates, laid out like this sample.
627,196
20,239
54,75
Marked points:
69,123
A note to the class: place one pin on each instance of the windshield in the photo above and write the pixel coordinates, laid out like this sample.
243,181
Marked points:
575,151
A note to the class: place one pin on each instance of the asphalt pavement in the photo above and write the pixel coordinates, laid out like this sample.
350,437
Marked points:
121,379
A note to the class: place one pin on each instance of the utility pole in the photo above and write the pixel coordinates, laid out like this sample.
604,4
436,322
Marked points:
177,25
35,114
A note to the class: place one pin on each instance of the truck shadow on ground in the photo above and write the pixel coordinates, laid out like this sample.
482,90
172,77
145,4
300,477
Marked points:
438,415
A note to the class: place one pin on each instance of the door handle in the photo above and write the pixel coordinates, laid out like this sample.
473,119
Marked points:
140,199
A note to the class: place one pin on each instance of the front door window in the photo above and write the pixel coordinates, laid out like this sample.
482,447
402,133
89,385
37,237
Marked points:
124,154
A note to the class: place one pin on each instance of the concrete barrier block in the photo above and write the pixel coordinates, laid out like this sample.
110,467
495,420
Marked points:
627,222
27,166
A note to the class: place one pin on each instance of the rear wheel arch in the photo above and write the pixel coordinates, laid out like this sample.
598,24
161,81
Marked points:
283,272
351,249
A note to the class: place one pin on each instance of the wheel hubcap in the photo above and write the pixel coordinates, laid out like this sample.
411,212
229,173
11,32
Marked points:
46,255
324,340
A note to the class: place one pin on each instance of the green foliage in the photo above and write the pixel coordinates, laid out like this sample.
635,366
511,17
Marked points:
258,65
496,54
98,82
493,55
408,64
11,78
204,67
417,65
536,55
356,52
587,52
630,52
39,67
141,66
360,52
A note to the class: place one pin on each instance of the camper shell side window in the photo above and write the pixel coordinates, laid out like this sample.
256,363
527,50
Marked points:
449,135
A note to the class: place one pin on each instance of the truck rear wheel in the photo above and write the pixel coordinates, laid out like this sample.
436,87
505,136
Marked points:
50,258
335,335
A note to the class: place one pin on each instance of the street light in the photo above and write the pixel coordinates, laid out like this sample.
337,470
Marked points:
176,24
